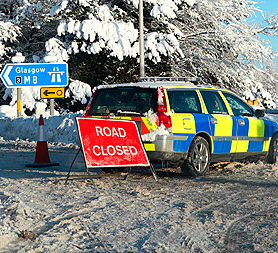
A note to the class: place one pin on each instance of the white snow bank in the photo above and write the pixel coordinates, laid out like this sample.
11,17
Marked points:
8,111
58,129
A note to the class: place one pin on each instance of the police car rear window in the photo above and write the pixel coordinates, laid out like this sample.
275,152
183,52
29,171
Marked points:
123,101
184,101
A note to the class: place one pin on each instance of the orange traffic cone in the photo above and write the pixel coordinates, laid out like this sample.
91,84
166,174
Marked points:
42,157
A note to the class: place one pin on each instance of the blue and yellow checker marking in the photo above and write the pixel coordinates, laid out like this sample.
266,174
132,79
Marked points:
227,136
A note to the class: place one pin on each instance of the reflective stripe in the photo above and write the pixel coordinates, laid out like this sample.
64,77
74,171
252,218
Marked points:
224,127
41,134
226,103
256,127
146,127
234,146
183,123
212,144
204,108
149,147
242,146
151,126
267,145
240,138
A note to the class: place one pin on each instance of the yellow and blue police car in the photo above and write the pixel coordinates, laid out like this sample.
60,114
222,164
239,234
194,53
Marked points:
188,124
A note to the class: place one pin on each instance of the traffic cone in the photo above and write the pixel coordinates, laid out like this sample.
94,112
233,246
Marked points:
42,157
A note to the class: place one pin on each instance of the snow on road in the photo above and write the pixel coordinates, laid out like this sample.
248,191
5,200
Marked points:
232,209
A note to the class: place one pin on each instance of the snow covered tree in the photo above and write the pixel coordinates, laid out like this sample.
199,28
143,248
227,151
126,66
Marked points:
222,48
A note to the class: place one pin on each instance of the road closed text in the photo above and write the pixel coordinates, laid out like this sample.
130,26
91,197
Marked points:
110,132
114,150
111,150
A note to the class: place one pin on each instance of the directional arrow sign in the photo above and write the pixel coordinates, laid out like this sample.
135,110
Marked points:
53,92
35,74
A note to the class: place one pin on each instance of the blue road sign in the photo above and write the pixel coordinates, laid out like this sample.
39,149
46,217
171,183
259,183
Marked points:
35,74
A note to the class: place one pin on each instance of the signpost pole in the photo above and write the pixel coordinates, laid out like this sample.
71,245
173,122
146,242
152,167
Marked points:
19,102
52,106
141,39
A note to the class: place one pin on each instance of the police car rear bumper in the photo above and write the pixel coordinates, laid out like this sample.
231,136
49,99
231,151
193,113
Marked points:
162,148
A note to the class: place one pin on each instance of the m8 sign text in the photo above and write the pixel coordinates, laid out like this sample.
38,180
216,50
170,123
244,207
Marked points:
110,143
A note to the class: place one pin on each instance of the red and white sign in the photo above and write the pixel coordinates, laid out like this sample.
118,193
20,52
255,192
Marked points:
111,143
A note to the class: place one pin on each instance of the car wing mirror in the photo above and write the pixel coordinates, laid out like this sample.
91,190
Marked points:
259,113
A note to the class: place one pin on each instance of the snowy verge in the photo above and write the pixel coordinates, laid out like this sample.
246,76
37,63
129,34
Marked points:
58,129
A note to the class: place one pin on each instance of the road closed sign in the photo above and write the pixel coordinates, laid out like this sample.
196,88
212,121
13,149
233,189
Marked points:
111,143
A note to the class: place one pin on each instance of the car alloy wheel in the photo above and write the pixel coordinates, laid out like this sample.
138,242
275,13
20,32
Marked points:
198,159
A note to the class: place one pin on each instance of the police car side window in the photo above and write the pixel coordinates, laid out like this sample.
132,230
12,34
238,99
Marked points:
214,102
184,101
239,108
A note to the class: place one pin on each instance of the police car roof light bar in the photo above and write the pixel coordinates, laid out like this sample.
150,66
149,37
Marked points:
194,80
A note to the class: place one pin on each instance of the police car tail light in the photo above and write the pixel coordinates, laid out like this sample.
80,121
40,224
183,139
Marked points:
89,104
164,119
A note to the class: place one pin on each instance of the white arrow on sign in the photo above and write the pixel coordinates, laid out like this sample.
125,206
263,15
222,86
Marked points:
6,76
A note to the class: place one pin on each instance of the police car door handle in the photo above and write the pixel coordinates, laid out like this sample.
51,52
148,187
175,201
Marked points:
214,121
241,122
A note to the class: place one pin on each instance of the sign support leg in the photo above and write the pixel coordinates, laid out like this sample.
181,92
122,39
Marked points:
153,172
127,173
18,102
151,168
72,165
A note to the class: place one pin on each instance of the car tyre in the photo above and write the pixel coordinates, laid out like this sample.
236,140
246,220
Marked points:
198,159
272,156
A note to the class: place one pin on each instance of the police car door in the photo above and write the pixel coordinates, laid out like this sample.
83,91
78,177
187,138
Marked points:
187,117
251,130
222,125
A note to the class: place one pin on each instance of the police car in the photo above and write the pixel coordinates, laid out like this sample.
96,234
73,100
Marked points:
188,124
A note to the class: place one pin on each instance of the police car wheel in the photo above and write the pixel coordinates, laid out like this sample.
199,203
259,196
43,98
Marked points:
198,159
273,150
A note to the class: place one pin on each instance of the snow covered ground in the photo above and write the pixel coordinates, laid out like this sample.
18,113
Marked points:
232,209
